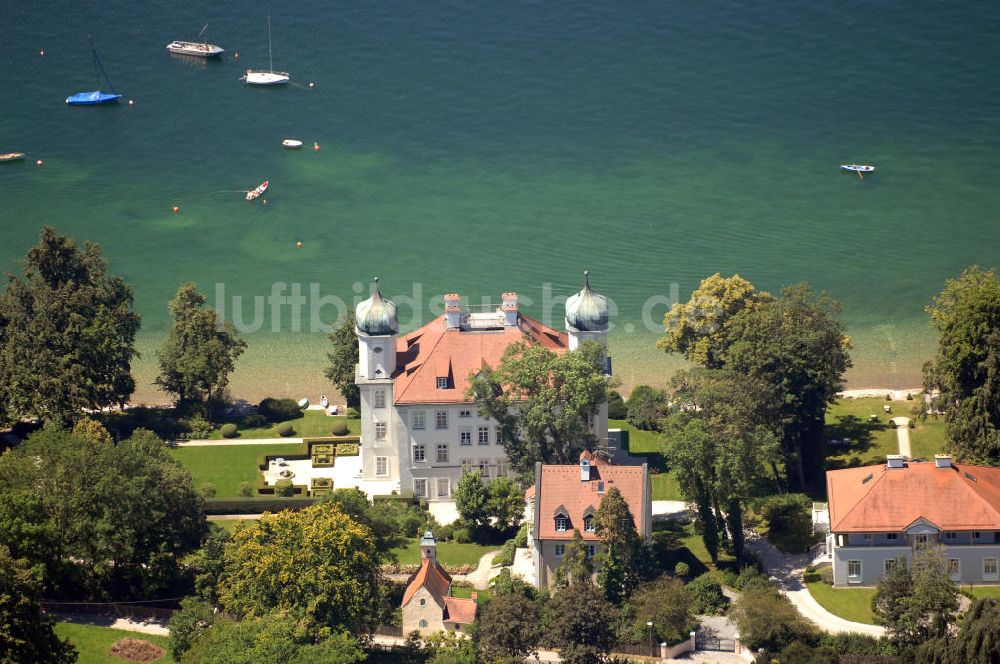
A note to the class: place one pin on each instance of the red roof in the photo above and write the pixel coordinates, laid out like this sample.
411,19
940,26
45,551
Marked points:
560,488
431,576
459,610
433,351
882,499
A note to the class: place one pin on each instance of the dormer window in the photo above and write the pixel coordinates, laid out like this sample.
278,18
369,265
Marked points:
442,382
562,523
588,524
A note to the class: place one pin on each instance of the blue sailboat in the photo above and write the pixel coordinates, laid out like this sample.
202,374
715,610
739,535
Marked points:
95,97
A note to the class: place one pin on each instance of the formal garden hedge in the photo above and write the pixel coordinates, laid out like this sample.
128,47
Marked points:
255,505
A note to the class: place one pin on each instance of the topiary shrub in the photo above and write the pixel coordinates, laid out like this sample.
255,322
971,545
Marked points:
284,488
254,421
909,396
682,569
246,489
228,430
285,429
339,428
353,413
207,490
888,397
347,449
706,592
279,410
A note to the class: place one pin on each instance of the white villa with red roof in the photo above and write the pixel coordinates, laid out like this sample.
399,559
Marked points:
565,498
879,513
419,432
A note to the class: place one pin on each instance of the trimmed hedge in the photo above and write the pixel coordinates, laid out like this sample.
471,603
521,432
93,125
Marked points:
347,449
254,505
339,428
228,430
285,429
279,410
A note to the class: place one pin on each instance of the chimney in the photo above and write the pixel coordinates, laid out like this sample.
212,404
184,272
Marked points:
584,470
452,311
509,309
895,460
942,461
474,597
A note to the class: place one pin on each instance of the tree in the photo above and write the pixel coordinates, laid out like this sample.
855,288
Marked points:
67,333
318,560
966,369
580,622
505,504
789,523
93,431
509,628
26,634
93,533
344,359
543,402
797,347
917,603
667,604
615,525
766,619
200,351
576,567
471,500
700,328
646,406
278,637
390,529
193,619
977,640
616,406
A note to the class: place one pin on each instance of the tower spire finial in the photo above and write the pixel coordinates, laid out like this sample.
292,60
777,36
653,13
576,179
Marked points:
586,279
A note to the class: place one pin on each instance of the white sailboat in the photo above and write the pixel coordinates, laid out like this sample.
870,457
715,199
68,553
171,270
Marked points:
269,77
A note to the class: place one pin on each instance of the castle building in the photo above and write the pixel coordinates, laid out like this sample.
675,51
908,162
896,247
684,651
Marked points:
419,430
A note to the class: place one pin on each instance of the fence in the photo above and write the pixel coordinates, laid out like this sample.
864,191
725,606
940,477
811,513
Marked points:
638,649
117,610
389,630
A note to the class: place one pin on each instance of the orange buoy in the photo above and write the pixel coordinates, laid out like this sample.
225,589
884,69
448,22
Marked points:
39,162
176,209
298,244
316,147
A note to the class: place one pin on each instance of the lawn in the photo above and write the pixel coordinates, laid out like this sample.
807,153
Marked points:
981,592
226,466
448,553
229,525
313,423
639,441
872,441
665,487
648,442
466,592
674,543
854,604
93,642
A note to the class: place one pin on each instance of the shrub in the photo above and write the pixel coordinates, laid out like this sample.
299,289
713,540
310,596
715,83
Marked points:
353,413
463,535
322,460
706,592
646,405
888,397
285,429
197,427
207,489
682,569
339,428
826,575
909,396
750,579
279,410
347,449
445,533
228,430
616,406
506,555
789,521
254,421
284,488
246,489
521,539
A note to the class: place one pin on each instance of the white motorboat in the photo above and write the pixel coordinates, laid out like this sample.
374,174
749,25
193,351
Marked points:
291,143
858,168
197,49
269,77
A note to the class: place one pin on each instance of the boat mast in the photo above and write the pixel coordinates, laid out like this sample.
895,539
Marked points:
100,68
270,63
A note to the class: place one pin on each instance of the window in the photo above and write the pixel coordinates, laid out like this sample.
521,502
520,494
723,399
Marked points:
418,419
920,541
423,602
379,399
442,453
854,571
420,488
976,534
588,524
892,536
484,435
465,413
949,536
441,419
990,569
562,523
380,430
419,453
954,569
465,436
498,436
560,550
381,465
591,550
444,487
442,382
867,537
890,565
423,623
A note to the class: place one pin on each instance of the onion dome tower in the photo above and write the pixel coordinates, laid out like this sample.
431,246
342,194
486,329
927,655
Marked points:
376,326
586,316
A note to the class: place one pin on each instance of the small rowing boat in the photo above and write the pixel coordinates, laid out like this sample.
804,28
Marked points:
292,143
255,193
857,168
12,156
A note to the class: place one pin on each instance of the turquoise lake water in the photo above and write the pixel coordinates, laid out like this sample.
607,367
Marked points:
486,147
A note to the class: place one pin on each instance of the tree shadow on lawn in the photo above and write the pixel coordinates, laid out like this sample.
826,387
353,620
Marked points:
858,432
669,549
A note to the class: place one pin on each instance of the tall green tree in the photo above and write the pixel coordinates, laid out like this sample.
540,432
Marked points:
576,567
543,401
917,602
614,524
667,604
976,642
646,406
509,628
200,351
343,358
966,369
67,333
92,532
26,634
797,347
580,624
699,328
472,500
317,560
505,504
